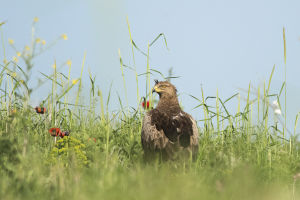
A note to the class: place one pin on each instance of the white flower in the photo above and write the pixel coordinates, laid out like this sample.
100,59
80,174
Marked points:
276,108
277,112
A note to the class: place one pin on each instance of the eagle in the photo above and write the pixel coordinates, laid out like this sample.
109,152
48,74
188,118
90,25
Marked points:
167,130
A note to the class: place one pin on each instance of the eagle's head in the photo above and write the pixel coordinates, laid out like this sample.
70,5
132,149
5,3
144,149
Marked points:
164,89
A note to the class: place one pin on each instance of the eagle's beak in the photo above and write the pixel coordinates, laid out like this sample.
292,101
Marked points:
155,89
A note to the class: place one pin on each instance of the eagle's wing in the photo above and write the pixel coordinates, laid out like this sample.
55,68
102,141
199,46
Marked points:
186,128
187,131
195,136
182,126
152,138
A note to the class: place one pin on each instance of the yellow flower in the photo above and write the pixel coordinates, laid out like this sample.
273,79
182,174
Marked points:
4,61
64,36
69,62
37,40
54,66
22,81
11,41
43,42
27,48
14,74
13,111
36,19
74,81
15,59
19,54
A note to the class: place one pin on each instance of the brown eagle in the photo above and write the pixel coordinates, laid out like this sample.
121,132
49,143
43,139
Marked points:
167,130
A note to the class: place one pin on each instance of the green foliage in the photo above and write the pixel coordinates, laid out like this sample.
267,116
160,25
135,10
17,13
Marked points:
9,156
69,151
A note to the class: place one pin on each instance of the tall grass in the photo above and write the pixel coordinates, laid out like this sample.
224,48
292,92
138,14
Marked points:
103,157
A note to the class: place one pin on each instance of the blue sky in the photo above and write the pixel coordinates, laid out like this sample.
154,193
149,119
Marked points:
218,44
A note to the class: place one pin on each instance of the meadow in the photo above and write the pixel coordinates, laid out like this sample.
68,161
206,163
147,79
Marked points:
249,154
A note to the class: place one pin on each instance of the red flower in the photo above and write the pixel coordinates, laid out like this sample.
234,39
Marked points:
63,134
146,105
54,131
57,132
40,110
